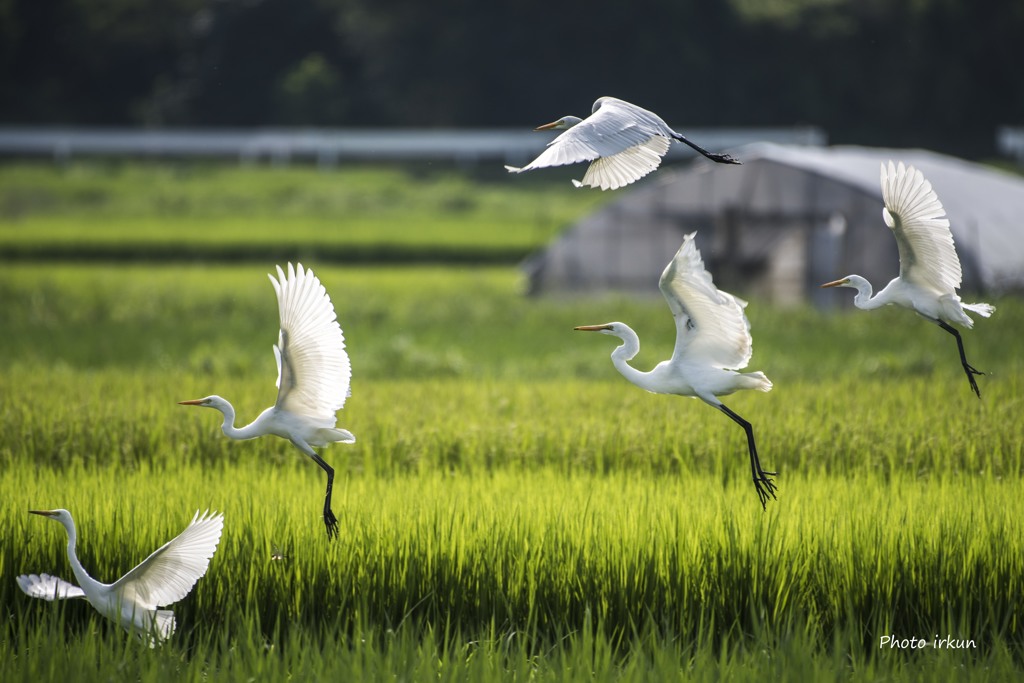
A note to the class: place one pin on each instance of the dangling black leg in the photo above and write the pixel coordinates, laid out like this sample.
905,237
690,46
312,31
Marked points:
720,158
971,372
762,482
329,519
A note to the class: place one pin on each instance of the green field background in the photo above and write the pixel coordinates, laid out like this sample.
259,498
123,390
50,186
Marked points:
512,508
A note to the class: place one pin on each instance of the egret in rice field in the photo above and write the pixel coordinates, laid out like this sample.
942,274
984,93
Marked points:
313,374
624,142
712,342
929,267
163,578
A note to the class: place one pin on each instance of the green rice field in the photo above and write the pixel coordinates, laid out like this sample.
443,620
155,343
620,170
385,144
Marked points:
512,509
131,211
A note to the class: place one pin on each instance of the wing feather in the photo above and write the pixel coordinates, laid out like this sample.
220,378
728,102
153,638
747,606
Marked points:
314,372
618,170
48,587
170,572
710,323
913,211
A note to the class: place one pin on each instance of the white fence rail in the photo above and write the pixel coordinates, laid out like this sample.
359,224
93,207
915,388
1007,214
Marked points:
328,147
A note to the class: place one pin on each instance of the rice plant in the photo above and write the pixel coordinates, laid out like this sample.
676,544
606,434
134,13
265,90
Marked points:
512,507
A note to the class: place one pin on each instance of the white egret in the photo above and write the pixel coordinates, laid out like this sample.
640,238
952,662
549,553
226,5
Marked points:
163,578
313,375
712,342
624,142
929,268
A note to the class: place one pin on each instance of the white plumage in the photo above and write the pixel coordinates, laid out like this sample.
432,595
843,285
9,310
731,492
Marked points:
313,370
711,327
625,142
918,222
930,270
313,375
163,578
46,587
712,342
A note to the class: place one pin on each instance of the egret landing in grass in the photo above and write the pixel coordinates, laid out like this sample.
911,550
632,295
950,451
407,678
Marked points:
163,578
712,342
929,267
624,142
313,374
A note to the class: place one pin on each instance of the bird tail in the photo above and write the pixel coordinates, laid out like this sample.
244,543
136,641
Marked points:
161,627
336,435
984,310
165,623
513,169
756,380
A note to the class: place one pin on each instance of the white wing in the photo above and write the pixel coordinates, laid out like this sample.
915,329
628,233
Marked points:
169,574
614,127
618,170
710,323
917,219
48,587
313,371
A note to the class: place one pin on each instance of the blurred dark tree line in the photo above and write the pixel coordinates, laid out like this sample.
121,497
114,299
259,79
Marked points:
936,73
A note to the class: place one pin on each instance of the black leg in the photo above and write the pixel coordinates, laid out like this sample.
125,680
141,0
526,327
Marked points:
720,158
329,519
762,482
971,372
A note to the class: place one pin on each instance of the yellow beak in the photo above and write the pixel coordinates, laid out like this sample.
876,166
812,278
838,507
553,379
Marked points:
836,283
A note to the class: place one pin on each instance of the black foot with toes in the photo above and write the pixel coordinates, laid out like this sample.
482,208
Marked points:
332,524
723,159
971,372
765,487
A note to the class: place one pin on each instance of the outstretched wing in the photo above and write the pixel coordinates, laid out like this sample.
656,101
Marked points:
710,324
614,127
917,219
313,370
48,587
169,574
619,170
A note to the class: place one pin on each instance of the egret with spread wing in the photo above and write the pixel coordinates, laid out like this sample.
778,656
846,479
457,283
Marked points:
624,142
313,374
929,268
712,343
163,578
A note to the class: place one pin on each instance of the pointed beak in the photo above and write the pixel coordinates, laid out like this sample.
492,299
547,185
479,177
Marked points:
835,283
44,513
547,126
193,402
592,328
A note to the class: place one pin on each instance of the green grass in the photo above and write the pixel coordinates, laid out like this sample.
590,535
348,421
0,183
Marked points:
217,212
542,558
512,508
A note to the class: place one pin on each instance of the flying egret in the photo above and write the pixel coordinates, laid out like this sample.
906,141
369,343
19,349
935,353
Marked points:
624,142
712,342
929,268
313,374
163,578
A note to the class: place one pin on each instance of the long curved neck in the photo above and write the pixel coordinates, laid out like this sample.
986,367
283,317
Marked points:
626,352
863,299
229,429
84,580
